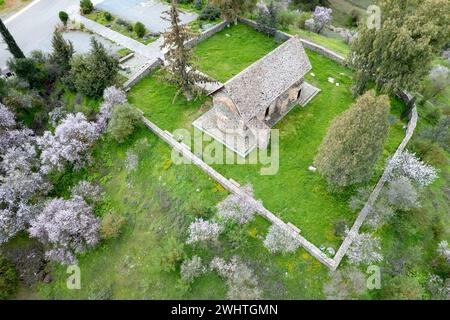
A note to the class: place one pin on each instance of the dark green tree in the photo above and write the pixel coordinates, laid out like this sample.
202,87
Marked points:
95,71
268,20
399,53
86,6
232,9
354,141
62,53
64,17
8,279
10,42
180,69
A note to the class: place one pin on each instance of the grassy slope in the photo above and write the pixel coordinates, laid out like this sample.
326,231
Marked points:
308,204
130,265
159,201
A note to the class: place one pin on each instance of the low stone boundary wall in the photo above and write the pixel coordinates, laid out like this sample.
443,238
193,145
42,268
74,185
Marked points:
206,34
377,190
232,187
143,71
307,44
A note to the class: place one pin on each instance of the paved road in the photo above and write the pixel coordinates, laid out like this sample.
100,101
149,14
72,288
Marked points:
151,51
33,28
147,11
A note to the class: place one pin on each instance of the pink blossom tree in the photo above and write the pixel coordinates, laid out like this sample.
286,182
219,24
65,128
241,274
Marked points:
70,143
66,227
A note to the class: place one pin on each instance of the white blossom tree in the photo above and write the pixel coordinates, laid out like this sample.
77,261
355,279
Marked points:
365,249
191,269
66,227
7,118
241,281
408,165
111,96
15,219
320,19
20,179
89,191
236,208
203,231
444,250
70,143
280,240
345,284
402,194
15,137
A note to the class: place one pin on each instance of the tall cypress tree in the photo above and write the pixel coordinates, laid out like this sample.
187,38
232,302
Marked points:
12,45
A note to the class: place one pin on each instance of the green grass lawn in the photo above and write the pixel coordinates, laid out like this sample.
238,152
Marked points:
336,45
241,46
159,201
308,204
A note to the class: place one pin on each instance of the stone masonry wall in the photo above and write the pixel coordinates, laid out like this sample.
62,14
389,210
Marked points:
307,44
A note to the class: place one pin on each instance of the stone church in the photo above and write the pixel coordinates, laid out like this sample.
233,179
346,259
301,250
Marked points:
249,104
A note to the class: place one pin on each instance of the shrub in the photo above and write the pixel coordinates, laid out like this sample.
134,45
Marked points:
108,16
345,284
139,29
111,225
430,152
301,19
286,18
403,288
198,4
86,6
353,18
444,250
124,120
173,255
29,262
241,281
203,231
8,279
29,70
90,192
210,12
64,17
191,269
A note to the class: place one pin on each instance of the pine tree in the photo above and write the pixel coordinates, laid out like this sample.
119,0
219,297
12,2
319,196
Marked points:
232,9
354,141
180,69
268,20
62,52
12,45
95,71
399,54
